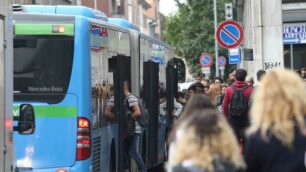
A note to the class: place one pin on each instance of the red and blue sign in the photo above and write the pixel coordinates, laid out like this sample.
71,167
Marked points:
206,60
222,61
229,34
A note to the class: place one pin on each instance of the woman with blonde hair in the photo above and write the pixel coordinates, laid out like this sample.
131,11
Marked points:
277,140
205,143
214,93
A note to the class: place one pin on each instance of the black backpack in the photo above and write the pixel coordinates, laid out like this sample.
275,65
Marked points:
239,103
143,119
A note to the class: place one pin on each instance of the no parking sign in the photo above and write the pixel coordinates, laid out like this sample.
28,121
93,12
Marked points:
229,34
206,60
222,61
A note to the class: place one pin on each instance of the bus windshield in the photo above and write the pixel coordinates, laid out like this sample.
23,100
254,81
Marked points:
42,67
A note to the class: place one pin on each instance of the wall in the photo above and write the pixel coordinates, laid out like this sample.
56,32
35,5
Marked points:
102,5
262,22
6,84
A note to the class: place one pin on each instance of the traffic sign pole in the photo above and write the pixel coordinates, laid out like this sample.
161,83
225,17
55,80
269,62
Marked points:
216,43
222,71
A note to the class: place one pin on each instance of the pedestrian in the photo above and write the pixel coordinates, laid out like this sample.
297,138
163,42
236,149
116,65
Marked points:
205,81
220,98
277,136
177,109
180,98
195,88
303,73
250,81
260,74
110,104
204,142
206,88
236,104
223,86
198,78
196,102
218,80
299,72
133,129
214,93
231,78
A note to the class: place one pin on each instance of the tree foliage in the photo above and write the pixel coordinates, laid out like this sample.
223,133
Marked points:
191,30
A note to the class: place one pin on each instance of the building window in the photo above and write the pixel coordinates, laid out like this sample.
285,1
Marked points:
295,56
293,1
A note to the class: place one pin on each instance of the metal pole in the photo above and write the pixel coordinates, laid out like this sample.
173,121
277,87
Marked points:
78,2
216,43
95,4
291,57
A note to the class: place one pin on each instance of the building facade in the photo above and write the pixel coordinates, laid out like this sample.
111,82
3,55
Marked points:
275,34
143,13
294,34
262,46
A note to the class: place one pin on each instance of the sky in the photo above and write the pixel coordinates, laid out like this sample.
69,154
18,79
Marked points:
167,7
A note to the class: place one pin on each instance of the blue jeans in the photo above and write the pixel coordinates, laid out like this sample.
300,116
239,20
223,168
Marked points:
130,147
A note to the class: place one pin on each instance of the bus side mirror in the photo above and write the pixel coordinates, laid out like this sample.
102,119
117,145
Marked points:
26,122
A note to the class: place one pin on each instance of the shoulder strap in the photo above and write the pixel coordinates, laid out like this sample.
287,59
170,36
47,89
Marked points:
234,88
244,88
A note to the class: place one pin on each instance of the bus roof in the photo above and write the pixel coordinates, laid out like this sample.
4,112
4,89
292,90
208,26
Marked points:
65,9
123,23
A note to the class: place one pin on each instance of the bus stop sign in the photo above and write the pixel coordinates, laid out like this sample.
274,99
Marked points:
229,34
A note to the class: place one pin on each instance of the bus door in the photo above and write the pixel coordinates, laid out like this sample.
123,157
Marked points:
151,99
172,87
120,66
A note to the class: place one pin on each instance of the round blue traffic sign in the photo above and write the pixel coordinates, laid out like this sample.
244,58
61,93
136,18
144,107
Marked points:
206,60
229,34
222,61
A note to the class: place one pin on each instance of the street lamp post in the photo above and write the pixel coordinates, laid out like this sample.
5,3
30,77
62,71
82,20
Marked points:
216,43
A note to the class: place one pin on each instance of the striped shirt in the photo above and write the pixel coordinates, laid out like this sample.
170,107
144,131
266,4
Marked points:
132,101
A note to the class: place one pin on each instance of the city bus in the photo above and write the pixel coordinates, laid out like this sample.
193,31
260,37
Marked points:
152,64
69,62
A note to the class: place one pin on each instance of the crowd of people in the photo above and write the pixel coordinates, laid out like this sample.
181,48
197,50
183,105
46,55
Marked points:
231,126
237,126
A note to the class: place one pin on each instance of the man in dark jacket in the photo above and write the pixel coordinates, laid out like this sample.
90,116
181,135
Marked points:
241,121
